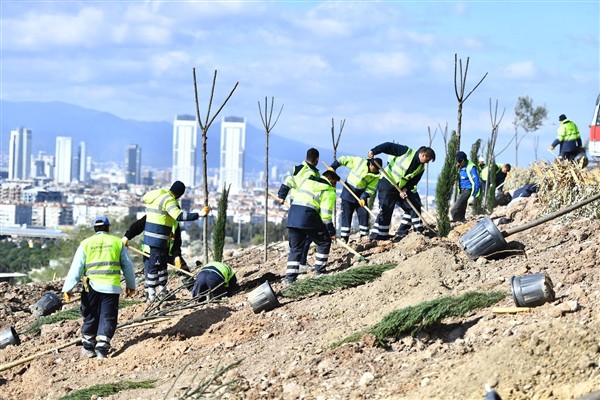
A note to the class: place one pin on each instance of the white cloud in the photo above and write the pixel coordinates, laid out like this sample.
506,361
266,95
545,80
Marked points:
386,64
173,60
35,31
520,70
428,39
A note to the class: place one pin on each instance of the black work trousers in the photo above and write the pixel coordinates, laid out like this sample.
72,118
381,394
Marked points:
100,312
389,197
348,208
297,238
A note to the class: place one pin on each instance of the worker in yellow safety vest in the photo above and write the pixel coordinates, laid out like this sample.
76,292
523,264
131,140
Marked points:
311,217
405,167
98,262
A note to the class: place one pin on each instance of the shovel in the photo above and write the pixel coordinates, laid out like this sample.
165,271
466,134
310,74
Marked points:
389,178
168,265
351,192
485,237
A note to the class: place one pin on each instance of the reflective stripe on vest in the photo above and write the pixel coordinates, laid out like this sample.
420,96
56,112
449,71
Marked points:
470,167
318,196
103,259
360,177
223,270
568,131
398,166
146,249
295,181
159,222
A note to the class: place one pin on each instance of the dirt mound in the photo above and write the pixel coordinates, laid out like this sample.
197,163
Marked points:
550,352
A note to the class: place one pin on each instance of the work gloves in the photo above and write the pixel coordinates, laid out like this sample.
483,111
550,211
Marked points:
206,210
67,297
178,262
471,200
125,241
551,147
362,202
129,292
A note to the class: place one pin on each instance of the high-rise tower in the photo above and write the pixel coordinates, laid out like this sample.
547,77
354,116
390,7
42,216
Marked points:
133,159
185,139
233,145
62,170
19,157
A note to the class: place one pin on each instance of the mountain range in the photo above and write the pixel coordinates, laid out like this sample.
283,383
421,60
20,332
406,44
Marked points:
107,136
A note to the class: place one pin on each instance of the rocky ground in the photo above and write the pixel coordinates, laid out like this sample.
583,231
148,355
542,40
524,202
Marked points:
550,352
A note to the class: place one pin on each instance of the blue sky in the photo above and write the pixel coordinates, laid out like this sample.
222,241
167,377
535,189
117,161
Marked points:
386,67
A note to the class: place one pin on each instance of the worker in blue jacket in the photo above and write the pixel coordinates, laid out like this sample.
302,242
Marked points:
568,137
405,167
469,187
311,217
290,186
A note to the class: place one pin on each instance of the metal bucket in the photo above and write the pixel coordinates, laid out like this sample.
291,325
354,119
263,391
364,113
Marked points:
484,238
48,304
263,298
9,336
532,290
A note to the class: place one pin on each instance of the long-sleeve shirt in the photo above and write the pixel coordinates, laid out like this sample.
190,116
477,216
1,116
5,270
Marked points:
394,149
76,271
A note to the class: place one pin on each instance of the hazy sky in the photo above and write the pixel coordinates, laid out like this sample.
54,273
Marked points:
386,67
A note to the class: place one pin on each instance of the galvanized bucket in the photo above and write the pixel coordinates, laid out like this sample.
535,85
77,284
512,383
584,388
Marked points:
48,304
9,336
532,290
263,298
484,238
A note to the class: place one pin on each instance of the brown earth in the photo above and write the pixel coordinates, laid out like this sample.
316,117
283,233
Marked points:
550,352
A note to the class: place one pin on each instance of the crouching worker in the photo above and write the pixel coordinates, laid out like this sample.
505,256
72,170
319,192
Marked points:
217,277
98,263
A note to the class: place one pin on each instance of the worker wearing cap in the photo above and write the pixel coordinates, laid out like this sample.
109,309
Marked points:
311,217
290,185
469,186
174,255
216,277
405,168
568,137
98,262
162,210
362,181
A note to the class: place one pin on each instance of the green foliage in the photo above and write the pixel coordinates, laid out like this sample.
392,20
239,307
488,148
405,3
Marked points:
66,315
219,229
410,320
528,118
107,389
331,283
445,183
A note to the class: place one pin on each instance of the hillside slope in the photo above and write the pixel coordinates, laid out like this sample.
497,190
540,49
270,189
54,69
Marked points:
551,352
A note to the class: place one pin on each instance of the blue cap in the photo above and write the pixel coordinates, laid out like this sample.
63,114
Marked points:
461,156
101,220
